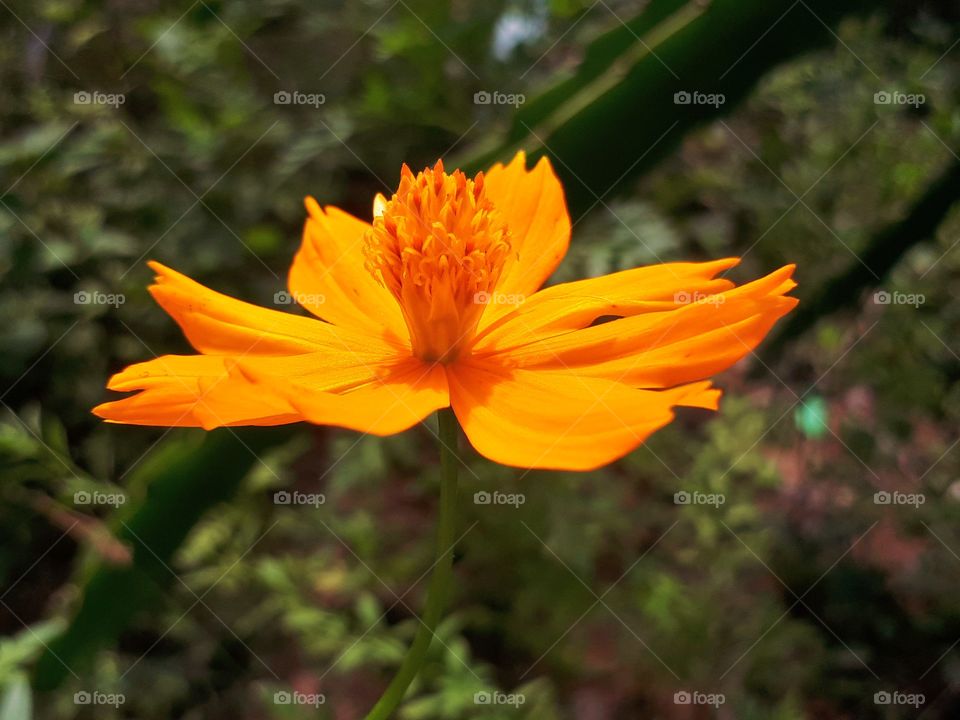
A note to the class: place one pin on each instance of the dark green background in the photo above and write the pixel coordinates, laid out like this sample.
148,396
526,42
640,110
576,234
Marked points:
799,597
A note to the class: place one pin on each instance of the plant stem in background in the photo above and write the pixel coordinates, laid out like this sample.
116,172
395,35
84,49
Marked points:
439,591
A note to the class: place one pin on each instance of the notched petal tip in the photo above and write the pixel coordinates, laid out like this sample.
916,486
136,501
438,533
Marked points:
164,272
310,202
123,381
545,165
102,411
519,157
701,395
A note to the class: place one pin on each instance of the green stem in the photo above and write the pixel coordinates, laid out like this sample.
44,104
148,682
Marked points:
440,581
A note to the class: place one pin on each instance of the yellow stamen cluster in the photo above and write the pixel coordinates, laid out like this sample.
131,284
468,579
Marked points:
438,245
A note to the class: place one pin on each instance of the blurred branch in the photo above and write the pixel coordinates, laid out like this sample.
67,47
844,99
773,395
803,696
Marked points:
619,114
85,530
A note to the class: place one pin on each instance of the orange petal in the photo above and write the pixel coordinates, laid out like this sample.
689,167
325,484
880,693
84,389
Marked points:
192,391
535,210
329,277
209,390
399,397
557,420
218,324
675,344
575,305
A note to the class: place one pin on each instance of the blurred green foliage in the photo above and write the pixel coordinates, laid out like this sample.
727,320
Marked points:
600,596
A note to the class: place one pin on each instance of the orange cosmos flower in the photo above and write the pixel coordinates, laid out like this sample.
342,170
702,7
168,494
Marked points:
437,303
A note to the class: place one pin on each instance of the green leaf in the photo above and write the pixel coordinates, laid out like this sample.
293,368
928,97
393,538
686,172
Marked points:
18,650
17,700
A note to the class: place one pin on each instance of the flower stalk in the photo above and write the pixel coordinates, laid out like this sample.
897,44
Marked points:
440,582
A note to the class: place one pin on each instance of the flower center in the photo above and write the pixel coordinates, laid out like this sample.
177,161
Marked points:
438,245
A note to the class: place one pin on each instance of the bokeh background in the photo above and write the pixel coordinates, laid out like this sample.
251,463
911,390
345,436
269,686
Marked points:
156,567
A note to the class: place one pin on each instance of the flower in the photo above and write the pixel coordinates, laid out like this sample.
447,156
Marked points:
437,303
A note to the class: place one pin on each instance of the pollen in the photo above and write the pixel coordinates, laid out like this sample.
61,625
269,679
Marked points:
439,245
